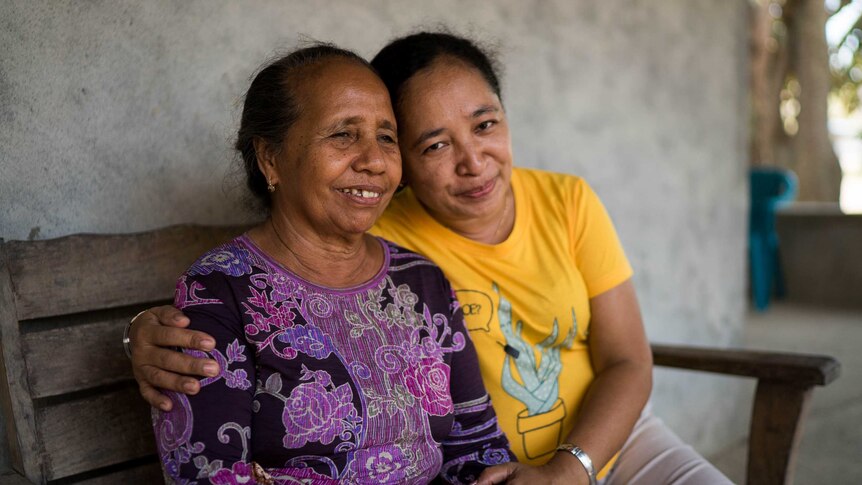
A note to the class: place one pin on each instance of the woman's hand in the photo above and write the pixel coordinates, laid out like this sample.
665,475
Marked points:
155,366
562,470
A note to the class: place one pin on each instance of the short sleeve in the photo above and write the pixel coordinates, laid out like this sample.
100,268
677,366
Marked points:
597,250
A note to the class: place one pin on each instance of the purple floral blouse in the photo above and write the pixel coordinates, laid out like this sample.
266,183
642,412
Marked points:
373,384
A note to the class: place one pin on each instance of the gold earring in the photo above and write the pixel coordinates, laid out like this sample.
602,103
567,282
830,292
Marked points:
270,187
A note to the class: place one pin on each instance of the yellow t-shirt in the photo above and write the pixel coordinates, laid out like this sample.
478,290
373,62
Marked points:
526,300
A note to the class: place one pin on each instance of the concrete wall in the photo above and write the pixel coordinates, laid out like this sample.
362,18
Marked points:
116,116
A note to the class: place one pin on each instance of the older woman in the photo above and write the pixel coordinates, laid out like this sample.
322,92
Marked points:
536,264
342,357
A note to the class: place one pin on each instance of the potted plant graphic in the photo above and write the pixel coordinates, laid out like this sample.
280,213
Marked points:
538,387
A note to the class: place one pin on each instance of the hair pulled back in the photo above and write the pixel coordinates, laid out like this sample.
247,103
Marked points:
271,107
399,60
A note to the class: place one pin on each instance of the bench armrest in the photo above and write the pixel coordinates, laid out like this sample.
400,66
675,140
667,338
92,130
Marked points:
797,369
784,385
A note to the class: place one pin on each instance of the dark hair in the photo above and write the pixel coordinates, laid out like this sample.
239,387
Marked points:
399,60
271,106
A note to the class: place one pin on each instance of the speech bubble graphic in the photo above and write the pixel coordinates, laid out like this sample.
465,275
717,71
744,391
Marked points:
478,309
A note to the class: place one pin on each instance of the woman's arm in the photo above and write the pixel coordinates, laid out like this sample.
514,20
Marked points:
153,335
622,361
208,435
619,350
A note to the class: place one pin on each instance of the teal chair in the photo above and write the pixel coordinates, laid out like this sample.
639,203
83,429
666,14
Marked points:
771,188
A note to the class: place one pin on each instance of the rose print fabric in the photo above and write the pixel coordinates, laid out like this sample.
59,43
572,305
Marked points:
372,384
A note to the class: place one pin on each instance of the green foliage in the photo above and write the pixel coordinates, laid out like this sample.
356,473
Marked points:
845,59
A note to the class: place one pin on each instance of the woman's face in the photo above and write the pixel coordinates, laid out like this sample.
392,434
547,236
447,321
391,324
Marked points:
339,164
455,143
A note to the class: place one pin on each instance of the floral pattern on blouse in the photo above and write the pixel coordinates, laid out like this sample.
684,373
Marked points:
373,384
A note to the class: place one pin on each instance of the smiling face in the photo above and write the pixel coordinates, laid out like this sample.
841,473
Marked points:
339,164
455,145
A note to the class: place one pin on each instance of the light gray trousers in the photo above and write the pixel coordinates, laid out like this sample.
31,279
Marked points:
654,455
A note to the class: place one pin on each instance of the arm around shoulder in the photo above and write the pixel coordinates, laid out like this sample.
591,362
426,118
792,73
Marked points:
153,335
208,434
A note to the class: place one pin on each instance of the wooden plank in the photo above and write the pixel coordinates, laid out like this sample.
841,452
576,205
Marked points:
776,428
12,478
95,432
85,272
74,358
799,369
24,446
147,474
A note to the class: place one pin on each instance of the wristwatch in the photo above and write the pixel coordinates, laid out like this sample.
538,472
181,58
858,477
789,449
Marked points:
583,457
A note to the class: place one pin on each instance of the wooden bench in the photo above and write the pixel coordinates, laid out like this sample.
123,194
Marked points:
73,413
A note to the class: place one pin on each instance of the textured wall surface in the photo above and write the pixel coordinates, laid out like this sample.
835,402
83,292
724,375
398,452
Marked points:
117,116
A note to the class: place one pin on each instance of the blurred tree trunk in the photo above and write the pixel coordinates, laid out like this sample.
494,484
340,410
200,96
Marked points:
769,65
813,160
797,50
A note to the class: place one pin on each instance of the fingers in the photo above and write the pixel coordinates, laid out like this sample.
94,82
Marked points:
169,316
147,334
162,380
496,474
153,378
171,361
154,397
156,368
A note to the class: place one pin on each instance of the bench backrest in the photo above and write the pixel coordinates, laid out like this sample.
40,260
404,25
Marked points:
72,409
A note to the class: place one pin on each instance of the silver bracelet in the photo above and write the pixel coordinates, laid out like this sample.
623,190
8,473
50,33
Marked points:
583,457
126,340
